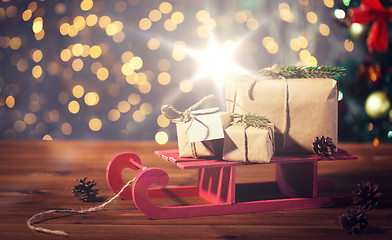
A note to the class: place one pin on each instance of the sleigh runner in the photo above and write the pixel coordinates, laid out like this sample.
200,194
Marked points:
296,177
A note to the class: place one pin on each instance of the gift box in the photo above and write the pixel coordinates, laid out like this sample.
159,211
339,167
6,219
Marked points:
199,132
243,143
300,109
202,137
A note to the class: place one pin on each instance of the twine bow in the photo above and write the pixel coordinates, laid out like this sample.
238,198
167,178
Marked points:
273,71
186,115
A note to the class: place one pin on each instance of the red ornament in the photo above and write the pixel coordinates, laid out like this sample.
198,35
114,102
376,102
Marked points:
373,11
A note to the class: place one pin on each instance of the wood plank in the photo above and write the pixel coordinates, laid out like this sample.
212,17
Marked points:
172,155
39,175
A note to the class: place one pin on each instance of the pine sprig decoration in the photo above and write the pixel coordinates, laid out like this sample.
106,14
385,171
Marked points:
307,72
366,196
254,120
355,221
324,147
84,190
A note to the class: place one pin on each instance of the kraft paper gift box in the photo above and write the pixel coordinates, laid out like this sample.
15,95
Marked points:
248,144
201,137
300,109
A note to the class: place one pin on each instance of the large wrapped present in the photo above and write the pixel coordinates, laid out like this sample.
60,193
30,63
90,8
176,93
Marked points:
246,143
199,132
300,109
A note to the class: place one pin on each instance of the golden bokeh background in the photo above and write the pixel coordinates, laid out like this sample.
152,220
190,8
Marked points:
102,69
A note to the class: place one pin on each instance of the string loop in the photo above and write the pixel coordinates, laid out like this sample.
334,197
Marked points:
30,222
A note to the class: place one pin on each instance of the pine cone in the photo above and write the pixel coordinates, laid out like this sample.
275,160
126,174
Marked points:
366,195
84,190
354,221
323,147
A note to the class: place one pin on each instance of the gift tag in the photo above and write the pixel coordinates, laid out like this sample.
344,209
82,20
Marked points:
207,125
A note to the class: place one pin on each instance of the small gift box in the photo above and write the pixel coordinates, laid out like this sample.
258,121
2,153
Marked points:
300,108
199,132
246,143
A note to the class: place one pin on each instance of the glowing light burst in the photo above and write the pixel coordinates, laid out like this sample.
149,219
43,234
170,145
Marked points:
216,61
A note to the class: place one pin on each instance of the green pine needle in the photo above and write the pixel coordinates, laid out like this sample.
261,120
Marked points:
254,120
310,72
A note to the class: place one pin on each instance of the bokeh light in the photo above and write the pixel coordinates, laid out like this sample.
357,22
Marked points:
102,73
91,98
95,51
163,121
91,20
134,99
186,86
146,108
285,13
324,29
348,45
78,91
66,129
138,116
164,78
114,115
37,71
161,137
10,101
145,24
15,43
123,106
37,55
95,124
153,44
38,25
155,15
73,107
165,7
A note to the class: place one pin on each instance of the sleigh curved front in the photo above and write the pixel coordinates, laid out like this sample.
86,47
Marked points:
114,172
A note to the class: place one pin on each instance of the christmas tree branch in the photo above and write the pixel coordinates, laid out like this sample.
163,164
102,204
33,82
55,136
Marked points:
307,72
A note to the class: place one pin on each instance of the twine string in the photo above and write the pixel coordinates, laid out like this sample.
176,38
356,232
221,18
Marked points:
234,105
246,144
238,122
193,149
30,222
286,117
265,72
274,72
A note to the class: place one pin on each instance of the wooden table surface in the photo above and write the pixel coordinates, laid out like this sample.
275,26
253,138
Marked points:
37,176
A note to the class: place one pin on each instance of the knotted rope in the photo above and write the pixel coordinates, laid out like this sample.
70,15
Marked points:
30,222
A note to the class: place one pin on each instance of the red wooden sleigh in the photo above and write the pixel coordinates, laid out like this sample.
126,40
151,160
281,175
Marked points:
296,177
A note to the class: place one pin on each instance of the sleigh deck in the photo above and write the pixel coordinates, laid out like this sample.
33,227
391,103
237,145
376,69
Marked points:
296,177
